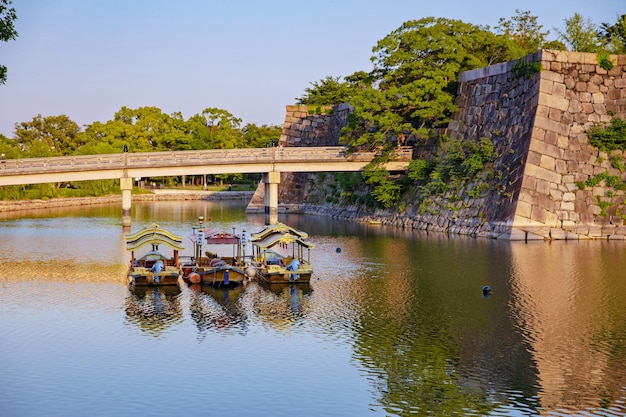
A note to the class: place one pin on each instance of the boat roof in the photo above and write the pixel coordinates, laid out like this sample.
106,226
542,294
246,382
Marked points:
220,237
278,228
286,238
216,237
154,235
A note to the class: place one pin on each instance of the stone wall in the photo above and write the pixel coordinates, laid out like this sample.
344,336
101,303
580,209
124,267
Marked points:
303,126
544,183
575,94
538,125
549,198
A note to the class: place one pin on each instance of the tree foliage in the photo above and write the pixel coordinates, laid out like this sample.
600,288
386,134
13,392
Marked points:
524,31
412,88
580,34
48,136
614,35
330,91
7,30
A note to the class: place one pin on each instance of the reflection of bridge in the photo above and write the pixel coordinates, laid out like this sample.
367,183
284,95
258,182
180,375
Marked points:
126,166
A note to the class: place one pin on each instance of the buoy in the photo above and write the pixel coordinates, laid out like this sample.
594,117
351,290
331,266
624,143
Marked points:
194,278
338,250
486,290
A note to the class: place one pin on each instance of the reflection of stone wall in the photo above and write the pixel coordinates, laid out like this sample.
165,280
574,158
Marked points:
303,127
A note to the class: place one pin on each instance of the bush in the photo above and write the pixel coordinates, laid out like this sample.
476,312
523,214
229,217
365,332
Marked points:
609,137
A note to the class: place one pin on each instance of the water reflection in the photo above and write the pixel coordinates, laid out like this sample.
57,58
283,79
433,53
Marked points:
278,305
153,310
572,319
401,313
214,308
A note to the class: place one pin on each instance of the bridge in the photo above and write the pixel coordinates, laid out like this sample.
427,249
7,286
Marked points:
125,166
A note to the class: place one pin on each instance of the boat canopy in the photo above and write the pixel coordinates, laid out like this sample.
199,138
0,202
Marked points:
278,228
221,238
286,238
155,236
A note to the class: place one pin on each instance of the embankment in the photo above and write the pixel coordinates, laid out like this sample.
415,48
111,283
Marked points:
155,195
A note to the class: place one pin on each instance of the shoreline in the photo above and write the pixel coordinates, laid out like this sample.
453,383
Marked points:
155,195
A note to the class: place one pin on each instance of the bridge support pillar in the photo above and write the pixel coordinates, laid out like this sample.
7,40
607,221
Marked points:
126,185
271,181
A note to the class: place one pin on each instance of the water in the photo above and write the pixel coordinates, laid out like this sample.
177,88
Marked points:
395,324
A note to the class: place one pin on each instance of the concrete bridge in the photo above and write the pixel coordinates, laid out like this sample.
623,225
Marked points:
125,166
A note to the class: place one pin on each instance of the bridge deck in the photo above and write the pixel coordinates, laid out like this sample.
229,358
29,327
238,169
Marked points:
214,161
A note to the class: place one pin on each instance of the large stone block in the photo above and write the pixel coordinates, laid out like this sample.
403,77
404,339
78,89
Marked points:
547,162
538,214
523,209
551,125
554,102
542,173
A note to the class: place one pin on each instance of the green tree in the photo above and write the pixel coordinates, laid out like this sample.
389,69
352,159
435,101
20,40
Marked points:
412,88
258,136
614,36
7,30
144,129
330,91
580,34
524,30
216,129
148,129
9,147
48,136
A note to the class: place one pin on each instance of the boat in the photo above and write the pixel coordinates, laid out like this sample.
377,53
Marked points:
222,267
154,267
281,254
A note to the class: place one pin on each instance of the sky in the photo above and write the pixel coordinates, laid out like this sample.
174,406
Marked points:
88,58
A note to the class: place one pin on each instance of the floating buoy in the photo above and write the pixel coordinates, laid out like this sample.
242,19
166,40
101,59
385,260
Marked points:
338,250
194,278
486,290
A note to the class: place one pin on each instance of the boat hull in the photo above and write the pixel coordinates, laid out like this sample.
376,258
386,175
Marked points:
226,275
280,275
140,276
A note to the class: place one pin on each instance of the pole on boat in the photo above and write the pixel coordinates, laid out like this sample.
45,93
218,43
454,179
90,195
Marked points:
126,185
199,240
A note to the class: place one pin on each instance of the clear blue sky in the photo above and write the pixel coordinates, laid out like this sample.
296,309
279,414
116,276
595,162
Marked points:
88,58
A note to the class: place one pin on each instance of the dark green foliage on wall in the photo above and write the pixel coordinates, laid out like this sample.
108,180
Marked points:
609,137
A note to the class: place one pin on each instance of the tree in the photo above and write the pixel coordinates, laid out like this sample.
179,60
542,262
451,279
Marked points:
614,36
330,91
216,129
8,147
7,30
48,136
259,136
412,88
524,31
580,34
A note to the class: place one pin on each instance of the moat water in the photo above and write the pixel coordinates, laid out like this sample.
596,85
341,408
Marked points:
393,324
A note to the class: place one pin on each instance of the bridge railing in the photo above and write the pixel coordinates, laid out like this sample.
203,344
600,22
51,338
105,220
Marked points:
188,158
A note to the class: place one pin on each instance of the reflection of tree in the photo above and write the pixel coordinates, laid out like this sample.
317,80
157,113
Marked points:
153,309
215,308
278,304
431,348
